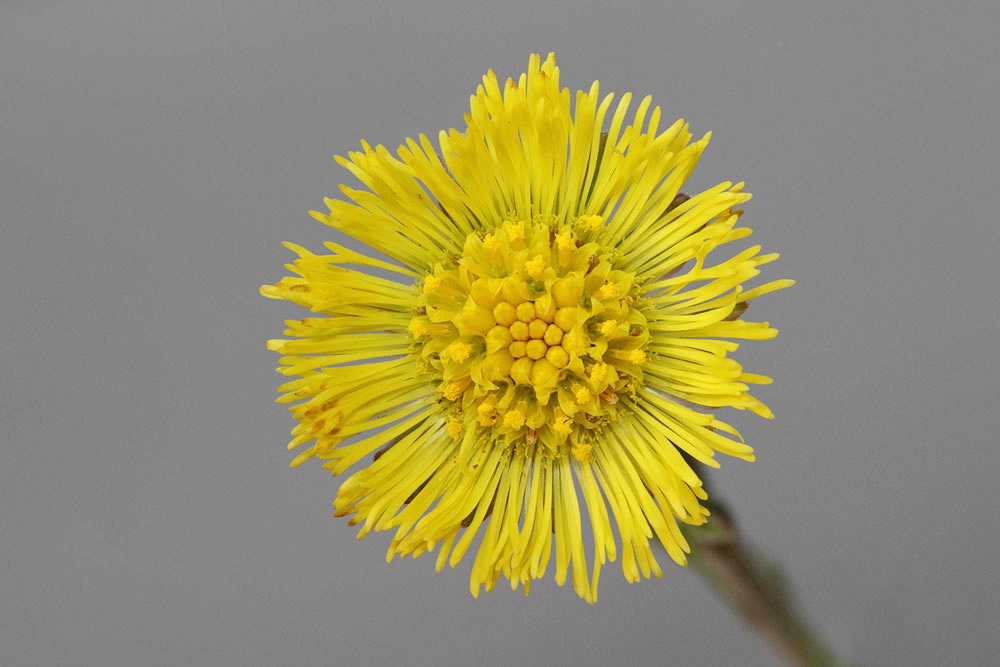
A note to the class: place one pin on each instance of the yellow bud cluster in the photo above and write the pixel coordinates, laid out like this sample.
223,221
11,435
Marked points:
525,340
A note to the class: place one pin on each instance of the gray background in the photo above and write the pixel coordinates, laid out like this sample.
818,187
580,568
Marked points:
153,156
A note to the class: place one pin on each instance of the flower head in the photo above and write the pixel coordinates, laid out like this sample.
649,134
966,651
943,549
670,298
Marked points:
546,344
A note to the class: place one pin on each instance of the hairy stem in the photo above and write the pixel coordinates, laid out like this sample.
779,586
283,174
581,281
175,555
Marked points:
754,589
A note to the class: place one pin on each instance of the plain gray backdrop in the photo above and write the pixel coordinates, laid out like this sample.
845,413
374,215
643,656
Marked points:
154,155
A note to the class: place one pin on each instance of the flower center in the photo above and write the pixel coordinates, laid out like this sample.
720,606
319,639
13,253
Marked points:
531,335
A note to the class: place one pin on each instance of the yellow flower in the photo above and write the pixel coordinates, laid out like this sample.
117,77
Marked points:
541,345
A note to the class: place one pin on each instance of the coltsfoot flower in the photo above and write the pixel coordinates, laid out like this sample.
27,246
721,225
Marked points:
545,340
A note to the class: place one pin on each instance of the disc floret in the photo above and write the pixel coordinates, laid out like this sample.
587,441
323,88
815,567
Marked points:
531,335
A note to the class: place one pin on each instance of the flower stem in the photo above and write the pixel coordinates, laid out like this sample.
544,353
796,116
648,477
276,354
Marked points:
755,589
